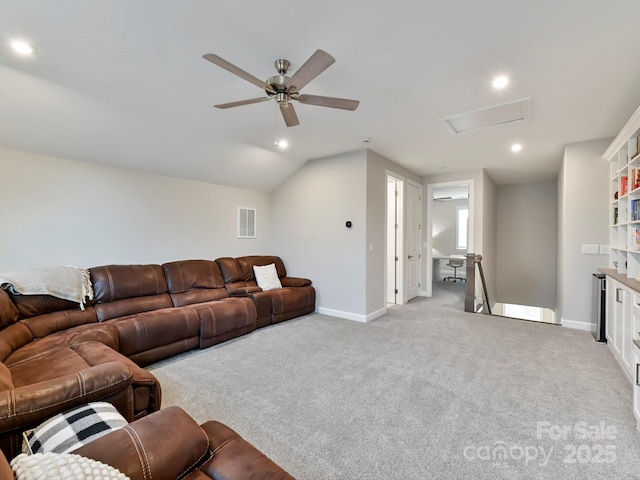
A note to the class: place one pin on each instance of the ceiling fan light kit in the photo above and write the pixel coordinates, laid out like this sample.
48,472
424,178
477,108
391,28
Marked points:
283,89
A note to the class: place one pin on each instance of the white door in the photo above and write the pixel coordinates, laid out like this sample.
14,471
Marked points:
392,239
414,238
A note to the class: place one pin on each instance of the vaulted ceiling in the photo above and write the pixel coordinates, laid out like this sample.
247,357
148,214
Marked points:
123,82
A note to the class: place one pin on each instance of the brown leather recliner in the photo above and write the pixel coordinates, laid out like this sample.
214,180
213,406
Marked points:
296,297
169,444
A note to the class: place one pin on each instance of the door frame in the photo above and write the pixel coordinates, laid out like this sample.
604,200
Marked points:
429,227
400,202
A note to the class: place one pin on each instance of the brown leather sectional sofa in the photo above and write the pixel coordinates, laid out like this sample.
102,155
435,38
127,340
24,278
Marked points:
55,356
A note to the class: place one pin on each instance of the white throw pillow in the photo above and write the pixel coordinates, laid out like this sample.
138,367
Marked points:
267,277
67,466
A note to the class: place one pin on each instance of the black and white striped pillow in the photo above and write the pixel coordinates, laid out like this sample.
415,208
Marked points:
68,431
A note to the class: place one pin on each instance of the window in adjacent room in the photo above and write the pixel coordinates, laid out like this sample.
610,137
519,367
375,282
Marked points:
462,226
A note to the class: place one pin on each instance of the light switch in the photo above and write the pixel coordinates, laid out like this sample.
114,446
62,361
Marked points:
590,249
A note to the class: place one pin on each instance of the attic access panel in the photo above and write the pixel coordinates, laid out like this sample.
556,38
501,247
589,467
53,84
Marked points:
494,116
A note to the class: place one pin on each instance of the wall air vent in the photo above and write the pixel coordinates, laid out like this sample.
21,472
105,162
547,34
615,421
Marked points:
246,222
494,116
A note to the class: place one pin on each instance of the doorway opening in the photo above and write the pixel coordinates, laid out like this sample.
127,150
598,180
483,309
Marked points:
449,236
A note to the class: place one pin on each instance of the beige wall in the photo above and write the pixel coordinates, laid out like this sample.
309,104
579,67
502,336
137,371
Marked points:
377,168
64,212
308,230
526,244
489,228
583,214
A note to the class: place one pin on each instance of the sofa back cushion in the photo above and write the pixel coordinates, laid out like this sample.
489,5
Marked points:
43,325
194,281
8,312
33,305
241,269
121,290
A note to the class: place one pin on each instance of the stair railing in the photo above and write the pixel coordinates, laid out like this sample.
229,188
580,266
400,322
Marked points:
470,297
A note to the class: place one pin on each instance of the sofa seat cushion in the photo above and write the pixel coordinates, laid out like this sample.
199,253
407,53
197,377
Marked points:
292,302
93,332
145,331
224,319
54,363
75,358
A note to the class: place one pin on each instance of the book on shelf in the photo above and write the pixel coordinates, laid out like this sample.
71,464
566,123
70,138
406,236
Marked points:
615,215
634,177
624,185
636,245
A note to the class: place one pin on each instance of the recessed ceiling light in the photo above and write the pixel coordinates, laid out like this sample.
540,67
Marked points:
23,48
516,147
500,82
281,143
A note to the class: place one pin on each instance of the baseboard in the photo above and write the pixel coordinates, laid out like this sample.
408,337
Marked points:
351,316
586,326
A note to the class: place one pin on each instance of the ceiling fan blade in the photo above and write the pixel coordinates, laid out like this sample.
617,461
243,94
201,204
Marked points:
289,115
332,102
314,66
230,67
242,102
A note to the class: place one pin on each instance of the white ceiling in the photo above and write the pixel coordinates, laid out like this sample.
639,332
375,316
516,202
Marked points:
123,82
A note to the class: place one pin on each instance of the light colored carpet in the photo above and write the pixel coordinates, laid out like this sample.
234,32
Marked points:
426,391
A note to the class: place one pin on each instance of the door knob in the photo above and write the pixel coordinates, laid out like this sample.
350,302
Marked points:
410,256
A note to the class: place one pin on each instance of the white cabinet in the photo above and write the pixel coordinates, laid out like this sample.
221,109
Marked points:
623,331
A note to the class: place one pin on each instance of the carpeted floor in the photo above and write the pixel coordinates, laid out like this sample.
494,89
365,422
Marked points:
424,392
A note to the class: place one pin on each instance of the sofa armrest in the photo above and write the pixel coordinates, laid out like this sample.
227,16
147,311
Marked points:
295,282
234,457
166,444
29,405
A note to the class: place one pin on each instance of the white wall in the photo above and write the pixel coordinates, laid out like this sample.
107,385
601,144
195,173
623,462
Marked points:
64,212
583,214
526,244
444,227
308,230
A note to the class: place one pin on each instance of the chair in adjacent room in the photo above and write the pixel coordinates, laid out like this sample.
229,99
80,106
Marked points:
455,262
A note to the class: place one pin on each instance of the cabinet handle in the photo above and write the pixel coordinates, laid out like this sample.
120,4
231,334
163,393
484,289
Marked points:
618,295
638,374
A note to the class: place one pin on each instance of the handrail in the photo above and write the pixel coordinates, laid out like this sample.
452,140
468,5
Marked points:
470,298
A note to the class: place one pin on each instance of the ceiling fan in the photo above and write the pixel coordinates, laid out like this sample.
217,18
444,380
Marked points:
284,89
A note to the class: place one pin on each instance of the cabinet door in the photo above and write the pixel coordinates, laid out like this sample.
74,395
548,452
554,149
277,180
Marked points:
610,326
636,387
617,294
626,344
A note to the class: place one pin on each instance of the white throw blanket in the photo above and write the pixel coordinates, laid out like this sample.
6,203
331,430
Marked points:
69,283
